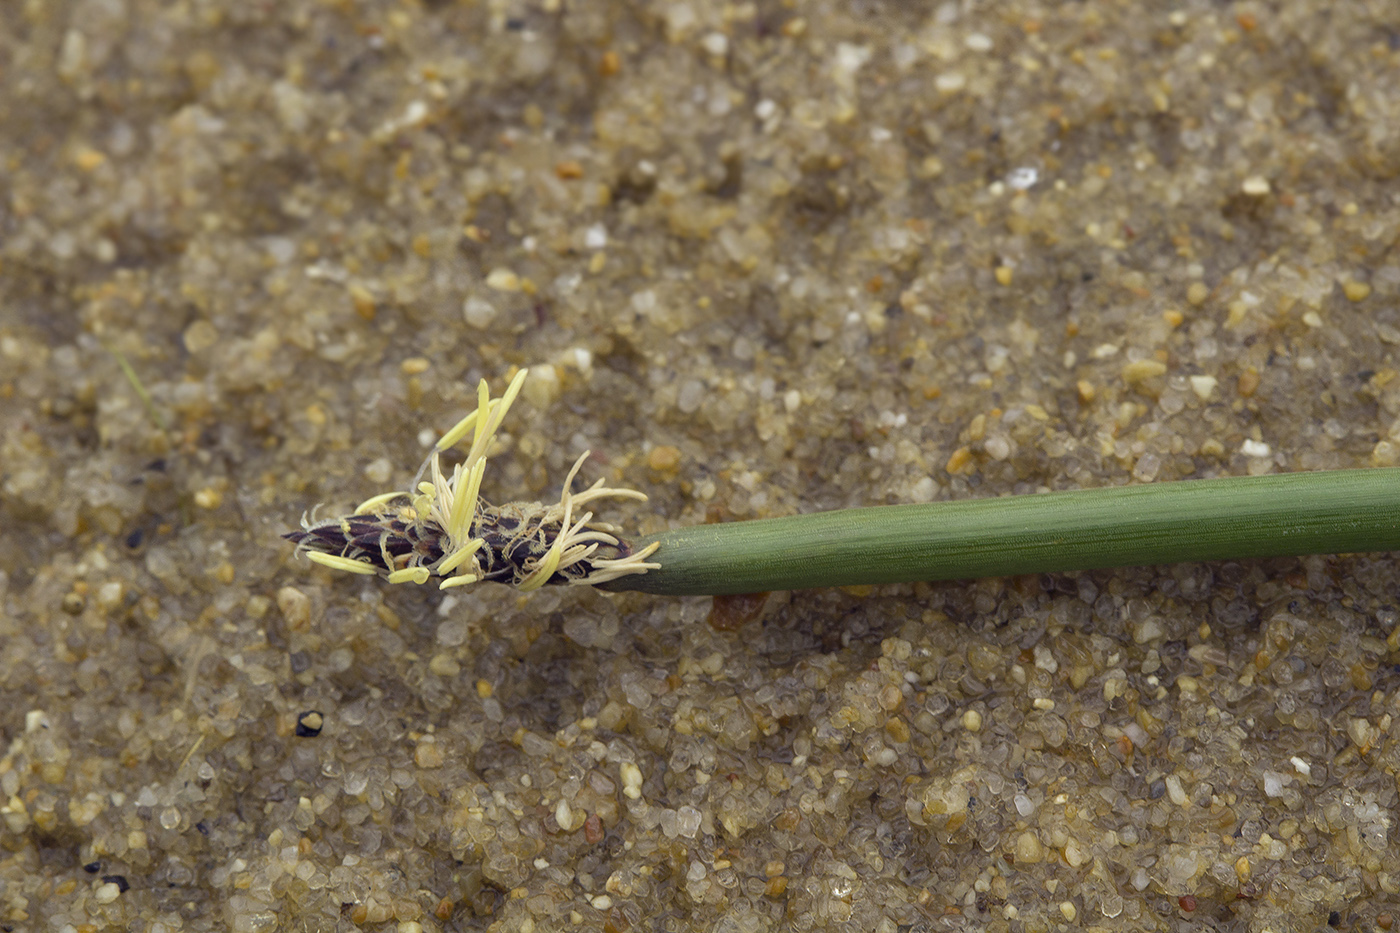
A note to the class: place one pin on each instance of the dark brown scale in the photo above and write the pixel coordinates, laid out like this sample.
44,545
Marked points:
370,536
510,537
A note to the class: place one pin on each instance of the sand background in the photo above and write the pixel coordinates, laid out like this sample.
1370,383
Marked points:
762,258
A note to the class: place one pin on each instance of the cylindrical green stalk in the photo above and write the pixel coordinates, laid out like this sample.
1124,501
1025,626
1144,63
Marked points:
1280,515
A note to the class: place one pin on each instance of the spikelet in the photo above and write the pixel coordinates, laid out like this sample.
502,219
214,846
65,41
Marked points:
440,527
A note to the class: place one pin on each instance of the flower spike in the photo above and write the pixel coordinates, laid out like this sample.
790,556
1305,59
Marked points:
441,527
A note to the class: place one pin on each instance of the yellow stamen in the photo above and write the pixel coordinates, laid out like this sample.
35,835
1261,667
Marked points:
439,491
568,496
376,504
483,405
605,569
454,560
472,493
462,580
550,562
417,575
486,429
458,431
599,491
541,574
459,520
336,562
573,555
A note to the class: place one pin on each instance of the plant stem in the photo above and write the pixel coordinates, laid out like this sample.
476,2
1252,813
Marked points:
1278,515
139,387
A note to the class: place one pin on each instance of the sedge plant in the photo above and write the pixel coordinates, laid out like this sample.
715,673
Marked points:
441,529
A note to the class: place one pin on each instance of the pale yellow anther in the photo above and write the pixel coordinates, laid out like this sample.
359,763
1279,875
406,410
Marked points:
454,560
512,390
417,575
572,555
473,492
461,580
568,496
375,504
486,427
541,574
550,562
458,431
605,569
483,405
598,491
439,491
336,562
463,508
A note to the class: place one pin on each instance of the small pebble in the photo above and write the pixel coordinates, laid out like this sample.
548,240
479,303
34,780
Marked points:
1356,291
503,280
478,312
379,471
1028,848
1256,186
631,780
1248,382
208,498
427,753
88,159
959,459
444,665
295,606
200,336
309,724
1142,370
664,459
730,613
362,299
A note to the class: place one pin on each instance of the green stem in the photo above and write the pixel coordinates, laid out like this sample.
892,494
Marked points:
139,387
1278,515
